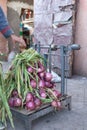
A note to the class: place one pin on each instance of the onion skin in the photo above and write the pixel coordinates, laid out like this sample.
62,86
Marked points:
41,75
33,83
41,84
40,70
41,90
43,95
37,102
59,104
48,76
47,84
17,102
11,102
56,93
14,93
30,105
30,69
40,65
54,104
29,97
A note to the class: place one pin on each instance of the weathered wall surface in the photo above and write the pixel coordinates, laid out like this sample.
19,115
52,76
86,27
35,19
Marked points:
80,60
53,23
30,2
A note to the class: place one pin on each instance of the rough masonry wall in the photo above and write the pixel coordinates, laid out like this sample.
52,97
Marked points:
53,21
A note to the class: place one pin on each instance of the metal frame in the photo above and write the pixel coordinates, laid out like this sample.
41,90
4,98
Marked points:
63,54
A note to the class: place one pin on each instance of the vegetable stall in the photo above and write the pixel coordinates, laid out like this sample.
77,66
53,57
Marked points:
29,84
28,87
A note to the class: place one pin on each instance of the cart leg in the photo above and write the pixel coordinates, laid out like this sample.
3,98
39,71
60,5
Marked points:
68,103
69,106
28,124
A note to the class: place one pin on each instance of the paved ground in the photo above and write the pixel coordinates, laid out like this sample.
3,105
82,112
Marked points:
76,119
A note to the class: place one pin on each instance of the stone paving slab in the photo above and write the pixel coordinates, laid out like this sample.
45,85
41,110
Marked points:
76,119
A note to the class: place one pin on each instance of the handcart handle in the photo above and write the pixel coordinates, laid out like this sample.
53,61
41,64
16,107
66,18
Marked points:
75,47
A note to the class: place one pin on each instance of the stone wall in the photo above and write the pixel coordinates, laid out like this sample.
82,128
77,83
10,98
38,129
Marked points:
30,2
53,23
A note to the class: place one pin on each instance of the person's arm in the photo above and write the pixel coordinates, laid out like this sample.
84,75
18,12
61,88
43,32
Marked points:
5,29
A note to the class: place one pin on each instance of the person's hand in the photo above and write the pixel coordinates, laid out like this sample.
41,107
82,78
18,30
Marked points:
16,39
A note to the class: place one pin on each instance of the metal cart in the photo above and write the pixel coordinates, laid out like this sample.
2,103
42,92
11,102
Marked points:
63,57
26,116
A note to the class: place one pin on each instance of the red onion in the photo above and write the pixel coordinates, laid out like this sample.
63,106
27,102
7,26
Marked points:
11,102
47,84
17,102
30,105
33,83
54,104
39,70
37,102
48,76
41,75
30,69
29,97
14,93
56,93
43,95
40,65
51,85
41,84
41,90
59,104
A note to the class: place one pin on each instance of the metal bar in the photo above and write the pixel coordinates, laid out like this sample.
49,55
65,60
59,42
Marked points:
38,47
45,60
47,47
62,70
66,70
50,58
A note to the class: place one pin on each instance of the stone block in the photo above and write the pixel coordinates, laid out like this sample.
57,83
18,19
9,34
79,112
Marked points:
42,6
44,36
64,30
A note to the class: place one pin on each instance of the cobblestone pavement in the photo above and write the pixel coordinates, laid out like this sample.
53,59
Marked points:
76,119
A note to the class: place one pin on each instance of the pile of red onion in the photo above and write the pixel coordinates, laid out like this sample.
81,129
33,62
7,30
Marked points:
40,82
15,100
32,102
